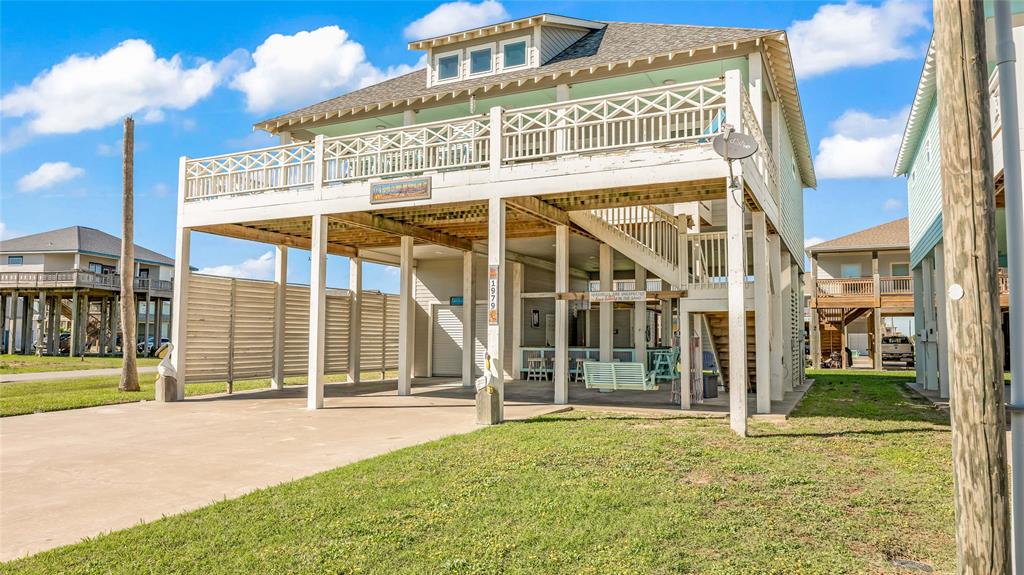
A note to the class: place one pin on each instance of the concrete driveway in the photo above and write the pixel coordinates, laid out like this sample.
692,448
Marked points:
74,474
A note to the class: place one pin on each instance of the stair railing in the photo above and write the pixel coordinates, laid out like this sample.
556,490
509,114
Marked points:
651,227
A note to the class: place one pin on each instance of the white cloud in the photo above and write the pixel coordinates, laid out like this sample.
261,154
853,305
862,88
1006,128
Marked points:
861,145
260,268
87,92
47,175
811,241
455,17
893,205
7,233
304,67
853,35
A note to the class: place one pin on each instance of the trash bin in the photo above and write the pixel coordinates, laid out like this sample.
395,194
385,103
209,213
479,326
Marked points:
710,385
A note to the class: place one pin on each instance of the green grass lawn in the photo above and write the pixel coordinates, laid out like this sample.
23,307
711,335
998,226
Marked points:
858,477
53,395
14,363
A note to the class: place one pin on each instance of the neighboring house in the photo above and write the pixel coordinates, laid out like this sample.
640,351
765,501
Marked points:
529,159
856,281
67,281
919,161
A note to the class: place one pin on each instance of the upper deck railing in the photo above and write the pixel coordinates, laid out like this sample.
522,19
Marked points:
678,114
80,279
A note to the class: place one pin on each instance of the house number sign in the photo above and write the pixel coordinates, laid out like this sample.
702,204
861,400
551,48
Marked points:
492,295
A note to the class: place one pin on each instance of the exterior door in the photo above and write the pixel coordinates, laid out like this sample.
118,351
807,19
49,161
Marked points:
446,341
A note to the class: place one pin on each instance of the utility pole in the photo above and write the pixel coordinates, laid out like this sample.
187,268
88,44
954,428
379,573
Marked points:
972,306
129,372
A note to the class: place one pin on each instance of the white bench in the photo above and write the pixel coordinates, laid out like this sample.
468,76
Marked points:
618,375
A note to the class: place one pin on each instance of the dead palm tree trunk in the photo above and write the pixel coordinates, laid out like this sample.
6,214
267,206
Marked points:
129,372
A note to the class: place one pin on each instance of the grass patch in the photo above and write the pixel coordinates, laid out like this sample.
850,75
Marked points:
858,477
14,363
22,398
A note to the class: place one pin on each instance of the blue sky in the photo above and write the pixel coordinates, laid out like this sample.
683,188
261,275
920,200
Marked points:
196,76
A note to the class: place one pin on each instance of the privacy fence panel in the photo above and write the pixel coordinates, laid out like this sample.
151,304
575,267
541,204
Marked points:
231,330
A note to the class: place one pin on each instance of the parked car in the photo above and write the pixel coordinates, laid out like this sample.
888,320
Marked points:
148,347
898,348
63,343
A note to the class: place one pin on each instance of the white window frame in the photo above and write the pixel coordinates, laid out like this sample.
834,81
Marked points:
501,53
11,260
469,62
437,66
893,274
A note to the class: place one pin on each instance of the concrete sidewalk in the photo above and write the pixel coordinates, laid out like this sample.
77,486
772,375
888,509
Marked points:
73,474
69,374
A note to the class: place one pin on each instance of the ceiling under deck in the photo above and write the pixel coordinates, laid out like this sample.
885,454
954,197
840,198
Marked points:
457,225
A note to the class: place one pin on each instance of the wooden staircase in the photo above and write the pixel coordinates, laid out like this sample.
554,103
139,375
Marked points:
719,326
644,234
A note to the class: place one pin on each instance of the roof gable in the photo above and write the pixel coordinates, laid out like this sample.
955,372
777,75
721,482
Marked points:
890,235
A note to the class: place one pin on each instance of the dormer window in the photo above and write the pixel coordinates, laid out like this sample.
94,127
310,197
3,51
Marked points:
481,60
513,53
449,66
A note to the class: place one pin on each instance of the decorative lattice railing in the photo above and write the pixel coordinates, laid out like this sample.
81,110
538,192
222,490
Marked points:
686,112
451,144
676,114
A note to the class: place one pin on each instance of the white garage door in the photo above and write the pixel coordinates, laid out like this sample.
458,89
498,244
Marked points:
446,340
446,358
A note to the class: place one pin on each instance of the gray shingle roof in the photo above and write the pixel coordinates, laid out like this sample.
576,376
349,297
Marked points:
79,239
616,42
891,235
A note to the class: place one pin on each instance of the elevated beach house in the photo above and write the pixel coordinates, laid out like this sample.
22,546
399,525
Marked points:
60,293
857,281
548,188
919,162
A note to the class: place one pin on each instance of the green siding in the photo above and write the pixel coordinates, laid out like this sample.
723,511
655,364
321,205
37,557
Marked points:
924,191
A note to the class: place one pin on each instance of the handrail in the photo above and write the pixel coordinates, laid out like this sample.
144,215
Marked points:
652,228
765,160
690,112
79,279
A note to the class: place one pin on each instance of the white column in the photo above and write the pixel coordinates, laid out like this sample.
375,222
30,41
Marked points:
179,313
517,319
666,323
931,375
468,320
940,324
561,376
736,247
317,312
776,318
280,299
789,323
762,314
920,330
74,345
405,314
42,325
355,317
606,308
11,321
640,317
685,357
496,301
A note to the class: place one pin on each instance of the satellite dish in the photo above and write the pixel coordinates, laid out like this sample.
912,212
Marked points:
733,145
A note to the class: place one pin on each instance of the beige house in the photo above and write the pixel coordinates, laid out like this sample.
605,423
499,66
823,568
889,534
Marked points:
548,189
60,293
857,281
